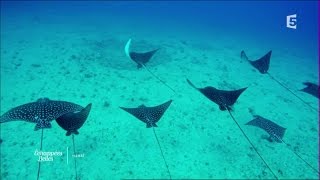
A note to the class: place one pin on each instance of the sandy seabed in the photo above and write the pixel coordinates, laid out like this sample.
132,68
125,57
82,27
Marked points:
198,140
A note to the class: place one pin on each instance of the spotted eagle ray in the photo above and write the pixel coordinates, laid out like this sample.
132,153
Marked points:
312,89
262,65
150,116
141,59
71,122
276,133
40,112
225,99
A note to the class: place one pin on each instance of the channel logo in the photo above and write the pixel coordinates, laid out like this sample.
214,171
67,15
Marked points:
292,21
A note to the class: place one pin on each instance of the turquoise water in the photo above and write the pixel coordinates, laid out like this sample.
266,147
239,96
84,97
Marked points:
74,51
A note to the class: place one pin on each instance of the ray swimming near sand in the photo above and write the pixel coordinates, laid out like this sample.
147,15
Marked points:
312,89
276,133
41,112
225,99
71,122
150,116
141,59
262,65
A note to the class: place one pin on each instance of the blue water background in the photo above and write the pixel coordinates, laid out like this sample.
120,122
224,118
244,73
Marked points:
264,22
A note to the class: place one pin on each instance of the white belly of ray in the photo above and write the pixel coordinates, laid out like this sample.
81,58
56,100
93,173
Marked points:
127,48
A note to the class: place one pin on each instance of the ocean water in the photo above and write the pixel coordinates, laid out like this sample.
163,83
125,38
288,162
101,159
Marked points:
75,52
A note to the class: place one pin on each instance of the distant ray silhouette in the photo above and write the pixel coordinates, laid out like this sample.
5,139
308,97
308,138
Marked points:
262,65
71,122
312,89
150,116
276,132
141,59
40,112
225,99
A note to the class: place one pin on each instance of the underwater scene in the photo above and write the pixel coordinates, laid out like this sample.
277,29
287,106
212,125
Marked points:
159,90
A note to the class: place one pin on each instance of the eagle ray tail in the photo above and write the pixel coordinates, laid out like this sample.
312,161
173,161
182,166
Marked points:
293,93
39,163
158,78
162,152
75,159
314,169
251,144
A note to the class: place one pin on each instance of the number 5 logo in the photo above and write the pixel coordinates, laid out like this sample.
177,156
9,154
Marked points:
292,21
